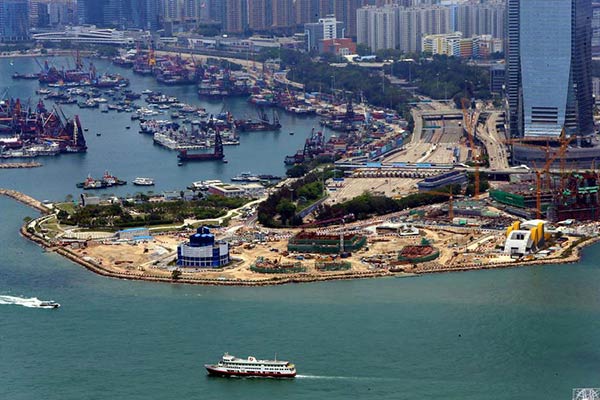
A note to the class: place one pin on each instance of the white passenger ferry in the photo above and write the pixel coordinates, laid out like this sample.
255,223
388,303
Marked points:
251,367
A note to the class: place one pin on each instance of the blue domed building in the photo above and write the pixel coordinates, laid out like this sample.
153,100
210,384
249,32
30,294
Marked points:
202,251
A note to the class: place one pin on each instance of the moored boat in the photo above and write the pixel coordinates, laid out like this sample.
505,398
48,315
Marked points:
231,366
246,177
143,181
107,181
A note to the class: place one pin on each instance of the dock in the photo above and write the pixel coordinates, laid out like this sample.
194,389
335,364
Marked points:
25,199
20,165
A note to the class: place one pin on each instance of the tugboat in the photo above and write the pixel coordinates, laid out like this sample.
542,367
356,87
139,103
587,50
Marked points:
107,181
230,366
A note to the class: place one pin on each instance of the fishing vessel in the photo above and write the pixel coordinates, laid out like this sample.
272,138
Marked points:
143,181
231,366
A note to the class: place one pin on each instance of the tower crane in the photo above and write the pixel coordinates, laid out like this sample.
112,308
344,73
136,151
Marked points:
450,201
564,143
343,220
151,56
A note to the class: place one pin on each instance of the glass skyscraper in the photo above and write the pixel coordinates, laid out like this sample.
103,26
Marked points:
14,20
549,83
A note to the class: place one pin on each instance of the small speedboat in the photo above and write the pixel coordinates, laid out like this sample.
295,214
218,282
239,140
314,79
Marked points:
49,304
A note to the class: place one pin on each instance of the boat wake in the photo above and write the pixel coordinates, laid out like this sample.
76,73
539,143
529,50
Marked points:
349,378
32,302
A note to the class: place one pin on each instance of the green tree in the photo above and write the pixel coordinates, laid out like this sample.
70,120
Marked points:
297,171
175,274
362,49
286,209
311,191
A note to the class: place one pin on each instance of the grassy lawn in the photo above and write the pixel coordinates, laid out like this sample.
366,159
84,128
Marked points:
68,207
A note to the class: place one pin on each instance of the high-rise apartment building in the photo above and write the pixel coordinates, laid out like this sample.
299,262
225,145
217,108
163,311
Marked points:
414,22
474,19
172,10
192,10
377,27
549,83
216,10
258,18
324,8
307,11
282,14
14,20
182,10
345,11
234,16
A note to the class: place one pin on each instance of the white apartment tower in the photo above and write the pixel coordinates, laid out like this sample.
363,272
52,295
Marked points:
392,26
377,27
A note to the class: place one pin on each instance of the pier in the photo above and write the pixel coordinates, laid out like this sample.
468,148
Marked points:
20,165
25,199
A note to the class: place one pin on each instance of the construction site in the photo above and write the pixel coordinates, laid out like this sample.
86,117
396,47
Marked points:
555,190
516,223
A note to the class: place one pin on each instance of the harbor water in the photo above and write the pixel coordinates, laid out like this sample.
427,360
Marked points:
128,154
498,334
